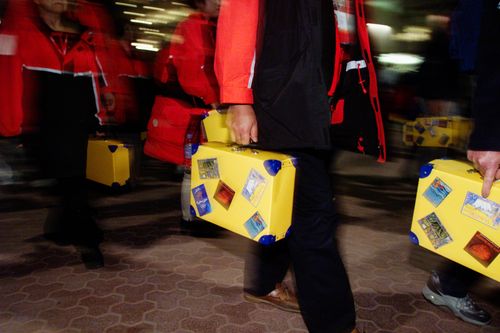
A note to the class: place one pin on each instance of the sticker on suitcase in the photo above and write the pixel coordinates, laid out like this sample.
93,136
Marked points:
481,209
437,192
255,225
435,230
254,187
482,249
224,194
208,168
201,200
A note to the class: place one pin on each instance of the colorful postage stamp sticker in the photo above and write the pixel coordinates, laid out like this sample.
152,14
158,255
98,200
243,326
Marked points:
481,209
201,200
254,187
482,249
208,168
224,194
255,225
435,230
437,192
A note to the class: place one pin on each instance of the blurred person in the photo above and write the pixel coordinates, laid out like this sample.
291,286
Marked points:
449,286
186,73
439,76
439,90
276,62
52,81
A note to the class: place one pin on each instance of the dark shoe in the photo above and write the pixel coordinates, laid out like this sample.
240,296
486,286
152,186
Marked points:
464,308
281,297
92,257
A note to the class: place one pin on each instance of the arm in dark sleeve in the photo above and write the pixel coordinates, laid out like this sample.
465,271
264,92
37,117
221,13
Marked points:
486,107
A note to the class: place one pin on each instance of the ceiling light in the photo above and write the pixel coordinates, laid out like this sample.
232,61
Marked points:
141,21
400,59
125,4
134,13
154,8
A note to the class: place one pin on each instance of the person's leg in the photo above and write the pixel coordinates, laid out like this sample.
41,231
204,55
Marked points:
265,266
324,292
449,286
80,223
265,269
456,280
185,197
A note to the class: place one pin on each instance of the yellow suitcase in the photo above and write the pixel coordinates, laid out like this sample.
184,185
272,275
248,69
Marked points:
244,190
214,127
438,132
108,162
452,219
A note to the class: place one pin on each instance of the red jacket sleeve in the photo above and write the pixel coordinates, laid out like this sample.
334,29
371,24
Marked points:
193,58
235,50
11,109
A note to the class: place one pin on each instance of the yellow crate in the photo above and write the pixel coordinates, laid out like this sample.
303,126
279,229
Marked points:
453,220
214,126
108,162
244,190
438,132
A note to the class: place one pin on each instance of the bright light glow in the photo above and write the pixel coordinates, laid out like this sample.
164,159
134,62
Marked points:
178,12
146,47
148,29
141,21
178,4
125,4
155,33
413,34
379,29
147,41
400,59
437,18
134,13
165,17
154,8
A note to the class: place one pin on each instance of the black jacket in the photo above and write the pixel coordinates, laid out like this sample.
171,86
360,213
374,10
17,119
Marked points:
300,77
486,109
291,80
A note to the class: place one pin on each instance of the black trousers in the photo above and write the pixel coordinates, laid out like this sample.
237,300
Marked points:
456,280
323,288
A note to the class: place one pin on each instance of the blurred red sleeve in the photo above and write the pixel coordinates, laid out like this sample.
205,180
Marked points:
235,50
11,86
193,56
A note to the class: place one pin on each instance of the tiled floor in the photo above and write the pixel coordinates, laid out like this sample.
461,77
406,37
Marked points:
157,279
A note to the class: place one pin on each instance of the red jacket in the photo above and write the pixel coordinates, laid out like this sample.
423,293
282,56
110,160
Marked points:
186,65
189,59
26,44
236,59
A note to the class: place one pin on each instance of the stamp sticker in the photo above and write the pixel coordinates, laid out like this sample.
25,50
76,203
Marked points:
481,209
437,192
201,200
254,187
435,230
255,225
224,194
442,123
482,249
208,168
444,139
